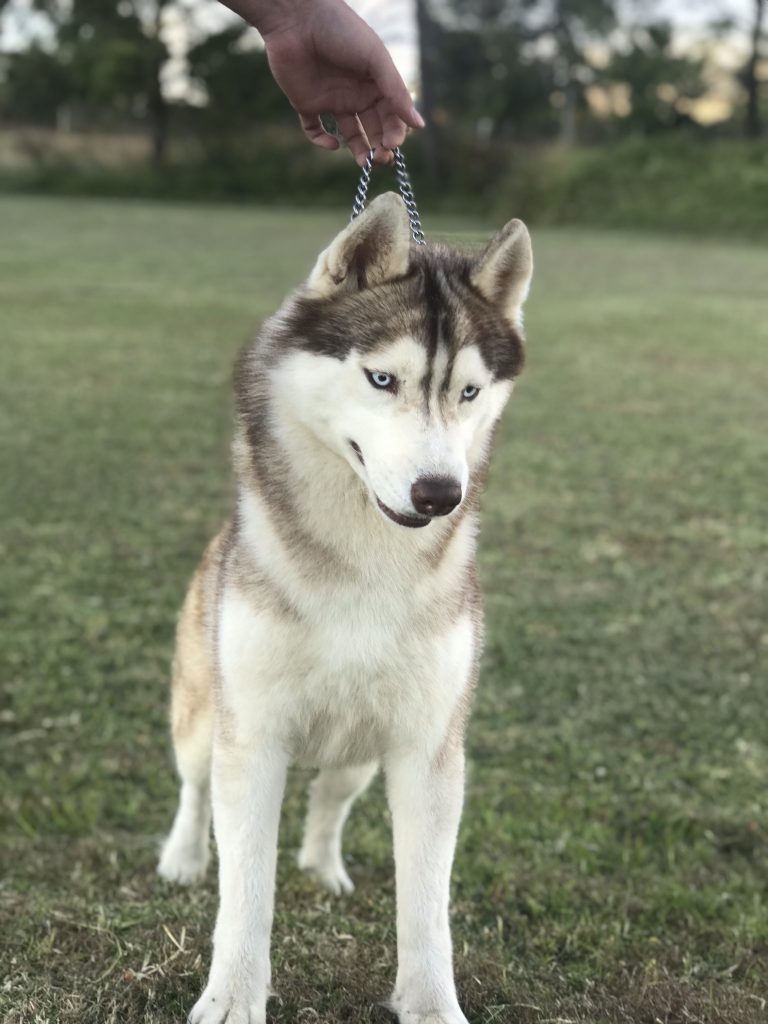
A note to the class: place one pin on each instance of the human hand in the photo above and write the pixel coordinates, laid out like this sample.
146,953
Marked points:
328,61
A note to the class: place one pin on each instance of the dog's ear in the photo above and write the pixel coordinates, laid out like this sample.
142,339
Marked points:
504,270
373,249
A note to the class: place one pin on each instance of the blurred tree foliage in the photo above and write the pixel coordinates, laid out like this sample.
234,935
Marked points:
107,60
537,59
752,82
36,84
570,27
491,88
528,70
241,95
510,69
657,80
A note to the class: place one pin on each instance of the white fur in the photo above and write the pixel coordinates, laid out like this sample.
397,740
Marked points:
186,851
306,692
330,801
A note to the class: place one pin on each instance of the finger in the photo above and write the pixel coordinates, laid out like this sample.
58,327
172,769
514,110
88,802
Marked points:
316,134
394,91
371,123
394,129
354,136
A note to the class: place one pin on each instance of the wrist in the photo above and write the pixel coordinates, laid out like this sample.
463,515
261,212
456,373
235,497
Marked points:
276,16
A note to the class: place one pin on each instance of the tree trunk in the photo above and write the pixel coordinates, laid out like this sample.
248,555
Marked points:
428,44
568,83
568,113
753,123
157,115
157,107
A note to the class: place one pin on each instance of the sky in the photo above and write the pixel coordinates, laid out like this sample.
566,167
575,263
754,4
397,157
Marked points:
701,11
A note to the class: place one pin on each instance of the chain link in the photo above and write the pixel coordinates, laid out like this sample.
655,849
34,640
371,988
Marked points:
362,187
403,184
406,191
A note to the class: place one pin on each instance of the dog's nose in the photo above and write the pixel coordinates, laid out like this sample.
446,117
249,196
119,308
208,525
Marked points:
435,495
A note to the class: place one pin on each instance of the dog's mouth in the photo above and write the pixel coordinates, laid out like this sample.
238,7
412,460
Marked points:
412,522
356,449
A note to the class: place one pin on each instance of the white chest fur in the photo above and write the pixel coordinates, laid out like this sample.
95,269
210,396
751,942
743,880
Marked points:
373,655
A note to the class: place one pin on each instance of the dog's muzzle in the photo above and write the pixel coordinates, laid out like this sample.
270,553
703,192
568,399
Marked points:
431,496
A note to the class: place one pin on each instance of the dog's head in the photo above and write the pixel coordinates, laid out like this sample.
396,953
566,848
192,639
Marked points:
400,358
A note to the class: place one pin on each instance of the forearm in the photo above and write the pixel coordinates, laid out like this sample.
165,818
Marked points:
269,15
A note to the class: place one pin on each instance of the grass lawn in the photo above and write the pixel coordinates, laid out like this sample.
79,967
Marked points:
613,860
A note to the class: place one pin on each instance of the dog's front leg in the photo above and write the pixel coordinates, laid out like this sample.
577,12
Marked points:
425,796
247,789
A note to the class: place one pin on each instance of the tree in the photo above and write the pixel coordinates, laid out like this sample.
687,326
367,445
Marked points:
238,84
429,57
571,25
117,53
557,33
35,85
751,77
484,81
113,55
656,78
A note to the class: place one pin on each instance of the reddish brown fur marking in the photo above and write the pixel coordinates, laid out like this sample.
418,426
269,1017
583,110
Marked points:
193,664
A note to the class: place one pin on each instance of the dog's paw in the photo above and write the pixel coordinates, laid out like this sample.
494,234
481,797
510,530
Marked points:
183,865
437,1017
452,1015
448,1017
328,870
217,1005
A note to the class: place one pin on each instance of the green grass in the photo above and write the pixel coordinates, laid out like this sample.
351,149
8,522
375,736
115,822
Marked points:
613,860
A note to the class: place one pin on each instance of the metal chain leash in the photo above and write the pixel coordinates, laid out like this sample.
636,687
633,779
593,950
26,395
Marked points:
406,191
403,184
362,187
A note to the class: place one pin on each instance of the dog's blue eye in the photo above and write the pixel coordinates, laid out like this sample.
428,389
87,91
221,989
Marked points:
469,393
382,381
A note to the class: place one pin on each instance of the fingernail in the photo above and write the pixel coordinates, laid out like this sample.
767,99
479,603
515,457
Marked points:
418,119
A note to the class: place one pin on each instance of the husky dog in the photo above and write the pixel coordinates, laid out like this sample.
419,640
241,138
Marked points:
335,622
